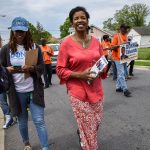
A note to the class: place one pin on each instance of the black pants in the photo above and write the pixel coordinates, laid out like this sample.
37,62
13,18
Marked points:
47,74
109,64
131,65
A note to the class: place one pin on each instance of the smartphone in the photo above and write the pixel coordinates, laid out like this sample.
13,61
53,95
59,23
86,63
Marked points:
17,67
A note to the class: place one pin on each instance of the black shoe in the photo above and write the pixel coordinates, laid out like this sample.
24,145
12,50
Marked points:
119,90
127,93
132,74
46,86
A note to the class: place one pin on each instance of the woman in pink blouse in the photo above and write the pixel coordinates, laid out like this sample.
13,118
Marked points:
77,54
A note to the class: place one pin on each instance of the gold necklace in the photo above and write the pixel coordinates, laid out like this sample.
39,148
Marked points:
83,41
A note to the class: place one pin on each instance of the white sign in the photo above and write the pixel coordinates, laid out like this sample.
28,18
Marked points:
128,52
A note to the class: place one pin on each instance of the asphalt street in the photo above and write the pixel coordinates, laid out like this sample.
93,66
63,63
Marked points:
125,126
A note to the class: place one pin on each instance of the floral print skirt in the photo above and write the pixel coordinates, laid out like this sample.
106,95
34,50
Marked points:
88,118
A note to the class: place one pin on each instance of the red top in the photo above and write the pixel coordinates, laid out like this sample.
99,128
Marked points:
73,58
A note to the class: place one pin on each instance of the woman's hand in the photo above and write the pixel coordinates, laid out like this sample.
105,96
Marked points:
27,69
12,70
85,75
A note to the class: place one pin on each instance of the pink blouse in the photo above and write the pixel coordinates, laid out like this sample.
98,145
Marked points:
73,58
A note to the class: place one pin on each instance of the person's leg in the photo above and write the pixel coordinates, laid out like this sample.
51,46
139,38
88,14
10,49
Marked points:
114,70
6,111
88,117
23,117
3,104
37,113
45,76
49,71
131,68
125,70
121,83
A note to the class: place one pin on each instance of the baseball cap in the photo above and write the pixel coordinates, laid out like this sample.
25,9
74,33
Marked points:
20,23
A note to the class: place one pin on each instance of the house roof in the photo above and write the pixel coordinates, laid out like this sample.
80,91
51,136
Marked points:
106,32
142,30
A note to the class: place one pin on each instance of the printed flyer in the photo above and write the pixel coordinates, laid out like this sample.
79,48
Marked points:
99,66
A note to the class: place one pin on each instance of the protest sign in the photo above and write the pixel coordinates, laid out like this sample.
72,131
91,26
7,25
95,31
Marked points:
128,52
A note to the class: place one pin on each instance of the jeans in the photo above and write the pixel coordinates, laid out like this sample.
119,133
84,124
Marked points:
4,104
47,74
114,70
125,70
120,83
37,113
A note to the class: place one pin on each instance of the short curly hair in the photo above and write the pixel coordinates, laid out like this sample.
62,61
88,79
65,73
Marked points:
76,9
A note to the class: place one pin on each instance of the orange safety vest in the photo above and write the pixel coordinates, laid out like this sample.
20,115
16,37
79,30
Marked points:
106,45
46,56
118,39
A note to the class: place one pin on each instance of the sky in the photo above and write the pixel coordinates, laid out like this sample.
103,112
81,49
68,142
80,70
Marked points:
52,13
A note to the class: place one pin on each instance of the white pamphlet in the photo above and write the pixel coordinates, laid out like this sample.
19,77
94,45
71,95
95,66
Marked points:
98,67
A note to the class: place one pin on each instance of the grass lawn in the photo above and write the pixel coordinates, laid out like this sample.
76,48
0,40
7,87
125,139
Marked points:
144,54
142,63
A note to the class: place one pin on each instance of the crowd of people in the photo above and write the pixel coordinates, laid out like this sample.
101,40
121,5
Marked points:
77,54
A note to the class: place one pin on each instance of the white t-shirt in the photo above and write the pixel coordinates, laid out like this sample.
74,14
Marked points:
18,59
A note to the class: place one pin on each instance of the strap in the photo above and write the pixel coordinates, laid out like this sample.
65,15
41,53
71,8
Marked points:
34,46
120,39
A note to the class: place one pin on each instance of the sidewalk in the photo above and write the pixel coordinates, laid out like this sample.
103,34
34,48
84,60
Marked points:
142,67
2,135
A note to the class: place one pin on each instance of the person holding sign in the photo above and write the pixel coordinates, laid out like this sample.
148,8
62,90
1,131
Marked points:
25,91
77,54
118,39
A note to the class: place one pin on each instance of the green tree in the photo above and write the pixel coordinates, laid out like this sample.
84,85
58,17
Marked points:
33,32
134,15
64,29
39,32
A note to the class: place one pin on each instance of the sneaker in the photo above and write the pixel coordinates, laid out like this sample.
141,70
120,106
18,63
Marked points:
127,93
119,90
129,77
9,122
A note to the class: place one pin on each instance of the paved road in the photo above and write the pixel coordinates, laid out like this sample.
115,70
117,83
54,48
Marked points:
126,123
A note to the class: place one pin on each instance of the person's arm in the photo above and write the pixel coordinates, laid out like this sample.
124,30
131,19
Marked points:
50,52
3,56
114,43
62,69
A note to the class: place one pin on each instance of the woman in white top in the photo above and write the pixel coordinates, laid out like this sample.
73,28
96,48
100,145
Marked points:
25,92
